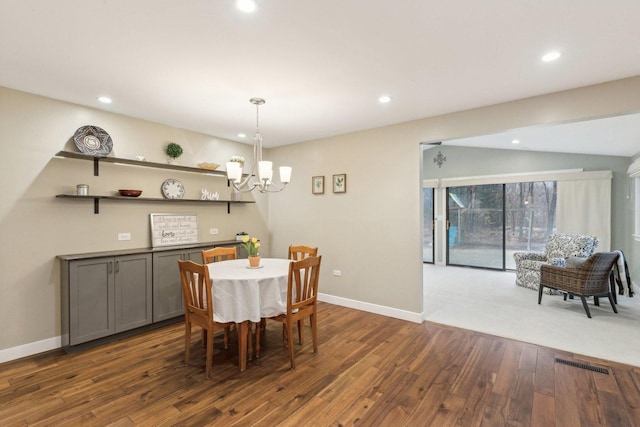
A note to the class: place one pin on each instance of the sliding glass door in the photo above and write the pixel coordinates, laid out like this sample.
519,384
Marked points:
530,217
475,235
486,224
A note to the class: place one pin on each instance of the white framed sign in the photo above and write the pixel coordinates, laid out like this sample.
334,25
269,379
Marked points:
169,229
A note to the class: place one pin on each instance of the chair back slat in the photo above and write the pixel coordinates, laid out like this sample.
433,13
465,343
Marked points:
298,252
219,254
196,291
303,283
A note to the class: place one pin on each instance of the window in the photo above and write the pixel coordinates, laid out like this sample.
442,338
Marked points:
427,232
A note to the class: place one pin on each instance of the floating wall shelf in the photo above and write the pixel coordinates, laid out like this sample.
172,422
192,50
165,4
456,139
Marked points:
115,160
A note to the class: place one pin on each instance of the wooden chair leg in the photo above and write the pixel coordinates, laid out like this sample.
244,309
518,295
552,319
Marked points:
207,369
250,340
290,341
300,339
187,341
314,332
227,330
258,331
586,307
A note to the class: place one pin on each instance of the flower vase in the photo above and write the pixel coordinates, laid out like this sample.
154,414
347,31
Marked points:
254,261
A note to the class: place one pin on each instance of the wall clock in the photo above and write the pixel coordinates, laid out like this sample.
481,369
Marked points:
172,189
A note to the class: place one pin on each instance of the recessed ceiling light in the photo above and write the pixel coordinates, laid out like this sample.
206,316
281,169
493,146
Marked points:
104,99
515,141
551,56
384,99
242,135
246,5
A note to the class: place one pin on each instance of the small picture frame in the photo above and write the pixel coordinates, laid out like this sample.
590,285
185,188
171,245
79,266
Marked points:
340,183
317,185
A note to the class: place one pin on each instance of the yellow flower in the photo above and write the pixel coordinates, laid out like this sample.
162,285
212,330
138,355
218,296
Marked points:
251,245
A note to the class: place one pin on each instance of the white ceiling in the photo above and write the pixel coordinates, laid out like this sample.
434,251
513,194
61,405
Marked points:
612,136
321,65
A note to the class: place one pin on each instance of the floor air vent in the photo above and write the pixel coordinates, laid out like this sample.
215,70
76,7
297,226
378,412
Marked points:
582,366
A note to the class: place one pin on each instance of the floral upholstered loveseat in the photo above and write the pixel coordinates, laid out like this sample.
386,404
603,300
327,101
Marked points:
559,247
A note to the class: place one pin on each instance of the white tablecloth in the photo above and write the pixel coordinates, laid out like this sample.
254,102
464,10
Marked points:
241,293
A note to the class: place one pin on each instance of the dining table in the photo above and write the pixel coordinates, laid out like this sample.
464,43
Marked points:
244,295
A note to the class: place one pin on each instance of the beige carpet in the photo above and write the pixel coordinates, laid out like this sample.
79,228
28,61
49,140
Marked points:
489,301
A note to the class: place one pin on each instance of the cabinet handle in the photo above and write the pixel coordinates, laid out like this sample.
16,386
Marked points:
110,268
117,266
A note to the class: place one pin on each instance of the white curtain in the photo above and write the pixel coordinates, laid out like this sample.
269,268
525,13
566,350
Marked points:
584,206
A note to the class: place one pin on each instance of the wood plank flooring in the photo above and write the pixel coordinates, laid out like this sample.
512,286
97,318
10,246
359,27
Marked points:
370,371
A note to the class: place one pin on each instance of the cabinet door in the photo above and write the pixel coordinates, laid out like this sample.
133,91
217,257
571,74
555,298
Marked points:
167,289
194,255
91,299
134,297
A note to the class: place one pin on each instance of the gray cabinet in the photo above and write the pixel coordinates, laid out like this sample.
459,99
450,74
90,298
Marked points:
103,296
105,293
134,296
167,289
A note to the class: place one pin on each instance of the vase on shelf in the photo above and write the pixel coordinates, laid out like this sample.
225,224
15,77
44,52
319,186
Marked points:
254,261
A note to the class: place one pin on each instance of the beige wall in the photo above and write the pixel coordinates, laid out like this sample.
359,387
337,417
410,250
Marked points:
36,227
372,234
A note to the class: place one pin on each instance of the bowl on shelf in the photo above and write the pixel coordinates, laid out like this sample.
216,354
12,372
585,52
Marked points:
130,193
208,166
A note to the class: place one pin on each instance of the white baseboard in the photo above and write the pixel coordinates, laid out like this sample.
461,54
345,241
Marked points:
30,349
372,308
56,342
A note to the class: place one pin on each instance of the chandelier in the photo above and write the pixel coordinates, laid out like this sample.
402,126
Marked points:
264,169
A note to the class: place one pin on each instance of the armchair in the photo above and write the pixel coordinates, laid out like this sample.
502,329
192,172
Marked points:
559,247
591,278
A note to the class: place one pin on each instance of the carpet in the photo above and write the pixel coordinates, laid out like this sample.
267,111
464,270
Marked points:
490,302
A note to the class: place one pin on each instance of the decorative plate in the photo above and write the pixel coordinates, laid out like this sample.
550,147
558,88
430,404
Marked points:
173,189
93,140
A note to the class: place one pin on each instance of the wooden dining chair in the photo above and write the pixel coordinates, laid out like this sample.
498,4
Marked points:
219,254
302,294
198,308
298,252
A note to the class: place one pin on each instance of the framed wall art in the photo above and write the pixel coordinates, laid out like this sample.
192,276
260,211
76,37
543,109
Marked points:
173,229
317,185
340,183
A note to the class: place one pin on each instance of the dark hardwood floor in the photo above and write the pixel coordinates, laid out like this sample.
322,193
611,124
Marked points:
370,371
